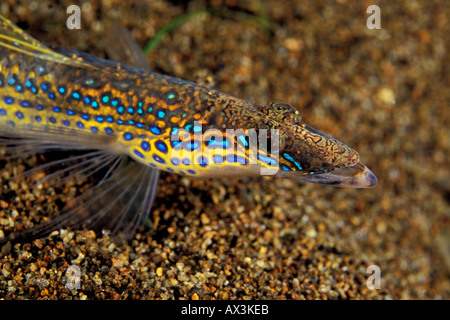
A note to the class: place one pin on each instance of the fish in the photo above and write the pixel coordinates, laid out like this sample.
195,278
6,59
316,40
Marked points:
127,123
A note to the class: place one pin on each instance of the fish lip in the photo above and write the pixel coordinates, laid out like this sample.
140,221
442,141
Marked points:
371,179
356,176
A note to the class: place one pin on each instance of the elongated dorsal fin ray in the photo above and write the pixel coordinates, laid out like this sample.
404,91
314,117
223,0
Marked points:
14,38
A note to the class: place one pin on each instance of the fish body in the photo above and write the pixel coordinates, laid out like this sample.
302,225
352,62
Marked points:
65,99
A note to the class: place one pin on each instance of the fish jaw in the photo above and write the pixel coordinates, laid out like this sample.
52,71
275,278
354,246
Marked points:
356,176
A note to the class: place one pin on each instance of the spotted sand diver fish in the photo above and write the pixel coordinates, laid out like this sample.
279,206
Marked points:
122,120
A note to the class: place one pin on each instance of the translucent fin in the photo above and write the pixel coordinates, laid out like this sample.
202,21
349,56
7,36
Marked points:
12,37
118,203
125,190
122,48
23,143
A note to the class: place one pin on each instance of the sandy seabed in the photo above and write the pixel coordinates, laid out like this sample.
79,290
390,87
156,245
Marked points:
383,92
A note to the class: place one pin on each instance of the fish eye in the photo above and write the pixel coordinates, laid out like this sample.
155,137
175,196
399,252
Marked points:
286,112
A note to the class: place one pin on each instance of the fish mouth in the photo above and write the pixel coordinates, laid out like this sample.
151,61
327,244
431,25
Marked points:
356,176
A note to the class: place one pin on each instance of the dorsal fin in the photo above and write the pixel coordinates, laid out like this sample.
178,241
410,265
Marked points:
14,38
122,48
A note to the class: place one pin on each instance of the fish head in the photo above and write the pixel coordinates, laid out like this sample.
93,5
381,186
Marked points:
305,153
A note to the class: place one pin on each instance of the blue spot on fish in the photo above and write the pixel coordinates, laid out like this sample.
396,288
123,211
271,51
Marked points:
76,95
266,160
139,154
114,102
236,159
9,100
161,146
155,130
127,136
19,115
25,104
145,146
87,99
218,159
193,145
61,89
243,140
202,161
216,143
105,99
158,158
